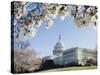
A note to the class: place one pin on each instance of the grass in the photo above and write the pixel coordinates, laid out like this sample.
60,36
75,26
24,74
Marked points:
71,68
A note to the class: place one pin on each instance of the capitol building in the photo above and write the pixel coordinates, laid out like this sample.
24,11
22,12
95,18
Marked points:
71,56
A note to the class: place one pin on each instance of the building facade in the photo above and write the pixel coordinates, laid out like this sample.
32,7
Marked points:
78,56
58,52
72,56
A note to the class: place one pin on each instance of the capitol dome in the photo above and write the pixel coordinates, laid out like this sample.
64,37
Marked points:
59,47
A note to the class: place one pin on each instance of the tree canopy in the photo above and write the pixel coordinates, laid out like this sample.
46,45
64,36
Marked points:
27,17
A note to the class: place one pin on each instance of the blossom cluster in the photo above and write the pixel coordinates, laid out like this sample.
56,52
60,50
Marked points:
27,17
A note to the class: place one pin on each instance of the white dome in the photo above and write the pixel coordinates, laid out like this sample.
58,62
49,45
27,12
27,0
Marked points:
59,47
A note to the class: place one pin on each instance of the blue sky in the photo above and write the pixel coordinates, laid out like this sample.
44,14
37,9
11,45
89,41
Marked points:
72,36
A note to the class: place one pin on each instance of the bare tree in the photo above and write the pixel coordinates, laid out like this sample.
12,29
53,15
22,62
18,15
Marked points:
22,44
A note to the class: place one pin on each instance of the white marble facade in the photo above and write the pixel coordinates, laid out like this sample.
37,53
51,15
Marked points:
77,56
58,52
72,56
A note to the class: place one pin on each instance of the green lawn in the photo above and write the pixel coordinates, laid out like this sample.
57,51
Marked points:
71,68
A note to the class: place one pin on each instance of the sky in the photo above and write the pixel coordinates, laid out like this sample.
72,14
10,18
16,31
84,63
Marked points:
72,36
